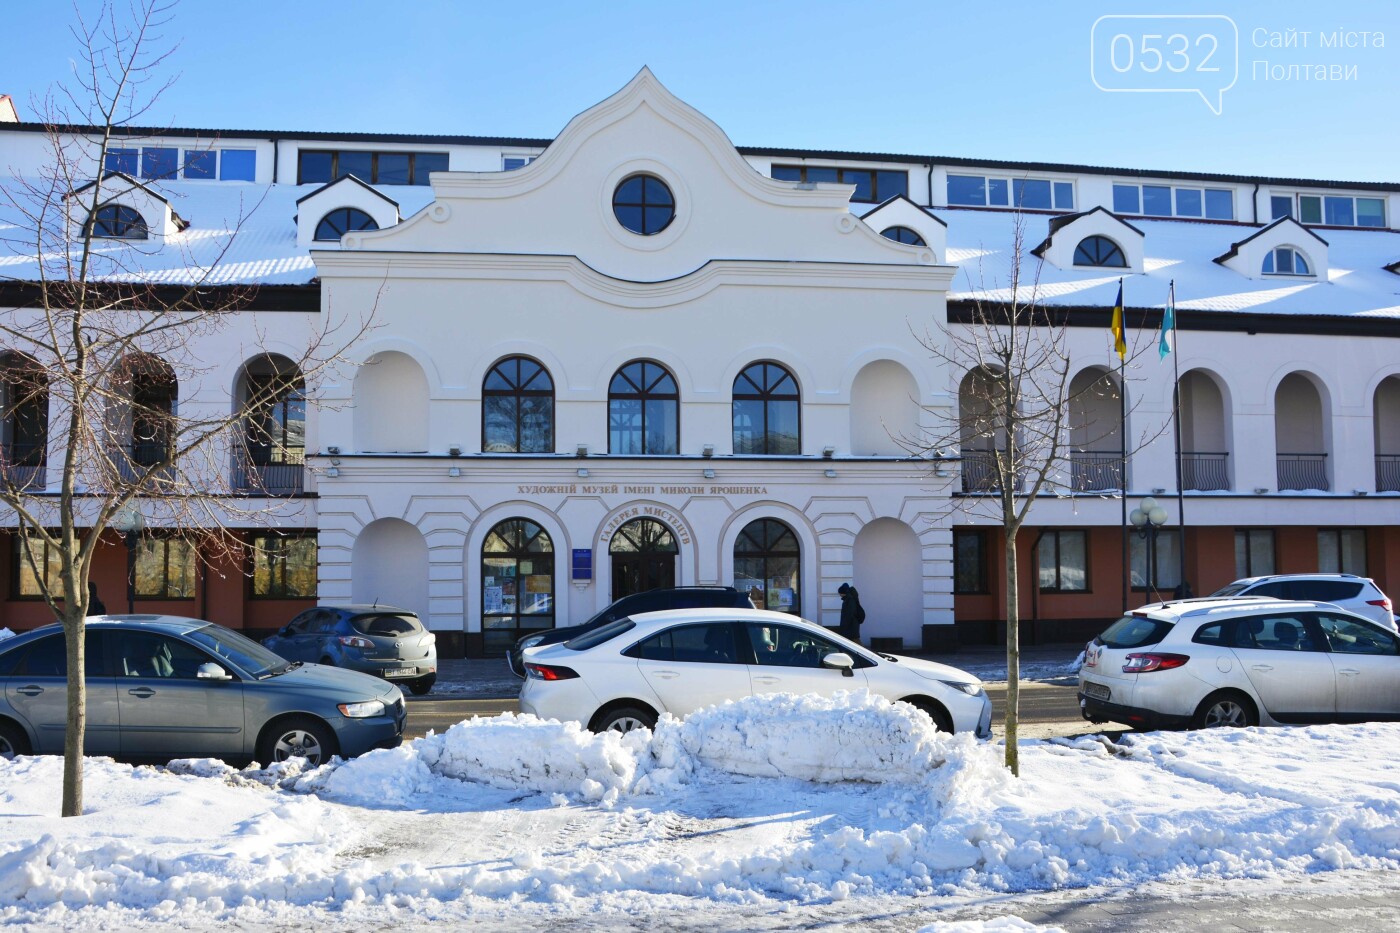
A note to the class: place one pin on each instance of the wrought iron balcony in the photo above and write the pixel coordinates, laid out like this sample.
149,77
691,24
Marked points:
1387,472
979,472
1302,471
1204,470
1095,470
22,465
254,473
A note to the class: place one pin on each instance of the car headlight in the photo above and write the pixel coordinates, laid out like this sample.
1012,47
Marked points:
531,642
361,710
972,690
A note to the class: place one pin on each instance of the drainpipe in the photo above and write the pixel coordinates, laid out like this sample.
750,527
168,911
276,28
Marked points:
930,185
1254,203
275,153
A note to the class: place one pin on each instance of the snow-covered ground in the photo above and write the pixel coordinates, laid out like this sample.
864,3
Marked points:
769,812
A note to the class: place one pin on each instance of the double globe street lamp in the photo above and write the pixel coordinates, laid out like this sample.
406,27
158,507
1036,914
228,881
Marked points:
130,523
1148,518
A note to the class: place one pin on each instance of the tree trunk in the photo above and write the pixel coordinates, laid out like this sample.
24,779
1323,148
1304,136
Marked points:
1013,655
74,637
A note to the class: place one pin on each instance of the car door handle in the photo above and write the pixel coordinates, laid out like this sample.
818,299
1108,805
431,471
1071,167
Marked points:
666,675
1263,667
30,691
1348,672
766,679
142,692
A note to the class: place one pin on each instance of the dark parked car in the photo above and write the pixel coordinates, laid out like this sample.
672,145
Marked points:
680,597
163,687
379,640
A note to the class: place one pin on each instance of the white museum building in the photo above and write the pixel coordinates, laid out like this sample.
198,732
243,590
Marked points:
637,355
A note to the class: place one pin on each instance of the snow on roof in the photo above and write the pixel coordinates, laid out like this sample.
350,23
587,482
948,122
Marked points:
265,252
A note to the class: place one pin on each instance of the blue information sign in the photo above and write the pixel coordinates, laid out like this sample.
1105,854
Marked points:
583,563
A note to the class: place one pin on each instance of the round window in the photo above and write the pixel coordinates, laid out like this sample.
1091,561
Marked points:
643,204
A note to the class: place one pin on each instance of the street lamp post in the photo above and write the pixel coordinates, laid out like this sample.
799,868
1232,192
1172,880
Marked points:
1148,518
130,523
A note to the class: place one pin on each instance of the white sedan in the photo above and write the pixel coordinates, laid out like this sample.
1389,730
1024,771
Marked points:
624,675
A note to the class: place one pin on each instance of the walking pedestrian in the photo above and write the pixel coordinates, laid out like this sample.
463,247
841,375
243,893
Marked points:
96,607
852,613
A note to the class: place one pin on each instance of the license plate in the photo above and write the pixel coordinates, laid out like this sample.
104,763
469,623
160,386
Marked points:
401,672
1097,691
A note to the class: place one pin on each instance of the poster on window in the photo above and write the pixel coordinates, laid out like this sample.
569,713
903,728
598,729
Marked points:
539,583
507,604
491,602
527,567
779,598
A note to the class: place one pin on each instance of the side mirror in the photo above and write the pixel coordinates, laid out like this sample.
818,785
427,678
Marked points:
284,631
841,661
211,671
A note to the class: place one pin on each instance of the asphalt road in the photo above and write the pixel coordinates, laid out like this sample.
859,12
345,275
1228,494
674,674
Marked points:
1040,704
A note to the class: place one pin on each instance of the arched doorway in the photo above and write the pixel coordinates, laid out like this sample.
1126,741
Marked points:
767,555
517,583
643,555
389,566
888,571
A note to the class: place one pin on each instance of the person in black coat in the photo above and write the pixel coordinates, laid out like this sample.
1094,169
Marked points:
852,613
95,605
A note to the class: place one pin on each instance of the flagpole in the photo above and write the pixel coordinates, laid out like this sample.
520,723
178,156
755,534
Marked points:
1176,425
1123,443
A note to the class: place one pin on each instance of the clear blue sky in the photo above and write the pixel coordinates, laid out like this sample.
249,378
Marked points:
1006,80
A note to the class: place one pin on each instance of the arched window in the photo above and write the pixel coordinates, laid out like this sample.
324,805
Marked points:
24,427
344,220
643,204
118,222
1286,260
517,408
643,410
767,556
517,583
767,411
643,554
154,393
274,404
1099,251
903,235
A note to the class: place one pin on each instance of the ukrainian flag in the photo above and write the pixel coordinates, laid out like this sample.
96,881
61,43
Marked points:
1120,343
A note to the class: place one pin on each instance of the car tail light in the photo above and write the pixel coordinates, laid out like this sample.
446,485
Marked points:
355,641
550,672
1141,663
1383,602
426,640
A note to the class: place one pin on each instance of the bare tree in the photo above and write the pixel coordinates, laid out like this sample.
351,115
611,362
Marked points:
105,370
1021,414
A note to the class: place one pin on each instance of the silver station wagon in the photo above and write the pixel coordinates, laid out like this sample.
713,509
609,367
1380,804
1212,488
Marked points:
163,687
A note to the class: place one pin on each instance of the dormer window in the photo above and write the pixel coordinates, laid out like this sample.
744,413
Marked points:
1099,251
344,220
118,222
903,235
1285,260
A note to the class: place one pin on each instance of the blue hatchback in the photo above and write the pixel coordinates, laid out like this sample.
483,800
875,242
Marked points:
379,640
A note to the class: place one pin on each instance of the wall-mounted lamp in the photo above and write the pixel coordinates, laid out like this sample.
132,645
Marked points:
582,473
581,451
333,451
455,450
828,453
1158,492
332,472
942,473
708,450
830,474
1260,490
1359,492
709,474
335,461
454,472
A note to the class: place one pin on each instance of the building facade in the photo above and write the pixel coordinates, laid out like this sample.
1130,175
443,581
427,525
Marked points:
636,355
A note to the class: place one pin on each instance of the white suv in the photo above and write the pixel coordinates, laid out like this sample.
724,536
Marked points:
1240,661
1352,593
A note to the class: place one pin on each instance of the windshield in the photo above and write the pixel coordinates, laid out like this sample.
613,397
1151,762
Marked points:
240,650
386,625
1230,590
599,635
1134,632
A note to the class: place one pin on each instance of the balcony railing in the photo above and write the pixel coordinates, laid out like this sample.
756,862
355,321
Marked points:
1387,472
1204,470
252,475
1095,471
22,465
1302,471
135,459
979,472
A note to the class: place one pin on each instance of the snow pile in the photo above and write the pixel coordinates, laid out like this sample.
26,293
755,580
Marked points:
6,633
995,925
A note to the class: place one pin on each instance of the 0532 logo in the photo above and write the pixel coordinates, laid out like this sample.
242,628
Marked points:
1155,54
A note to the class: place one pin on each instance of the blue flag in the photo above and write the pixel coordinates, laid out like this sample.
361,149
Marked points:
1168,338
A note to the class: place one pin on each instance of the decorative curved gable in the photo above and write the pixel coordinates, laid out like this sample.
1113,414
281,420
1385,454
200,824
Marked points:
899,211
347,191
1067,232
561,204
1247,256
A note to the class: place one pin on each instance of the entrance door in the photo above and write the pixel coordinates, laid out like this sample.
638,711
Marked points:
643,555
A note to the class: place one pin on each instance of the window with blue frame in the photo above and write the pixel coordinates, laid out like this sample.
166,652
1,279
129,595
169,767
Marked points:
238,165
122,160
159,163
201,163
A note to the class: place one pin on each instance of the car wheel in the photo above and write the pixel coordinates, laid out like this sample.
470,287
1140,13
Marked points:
1226,710
625,719
941,720
12,741
298,738
326,661
422,685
